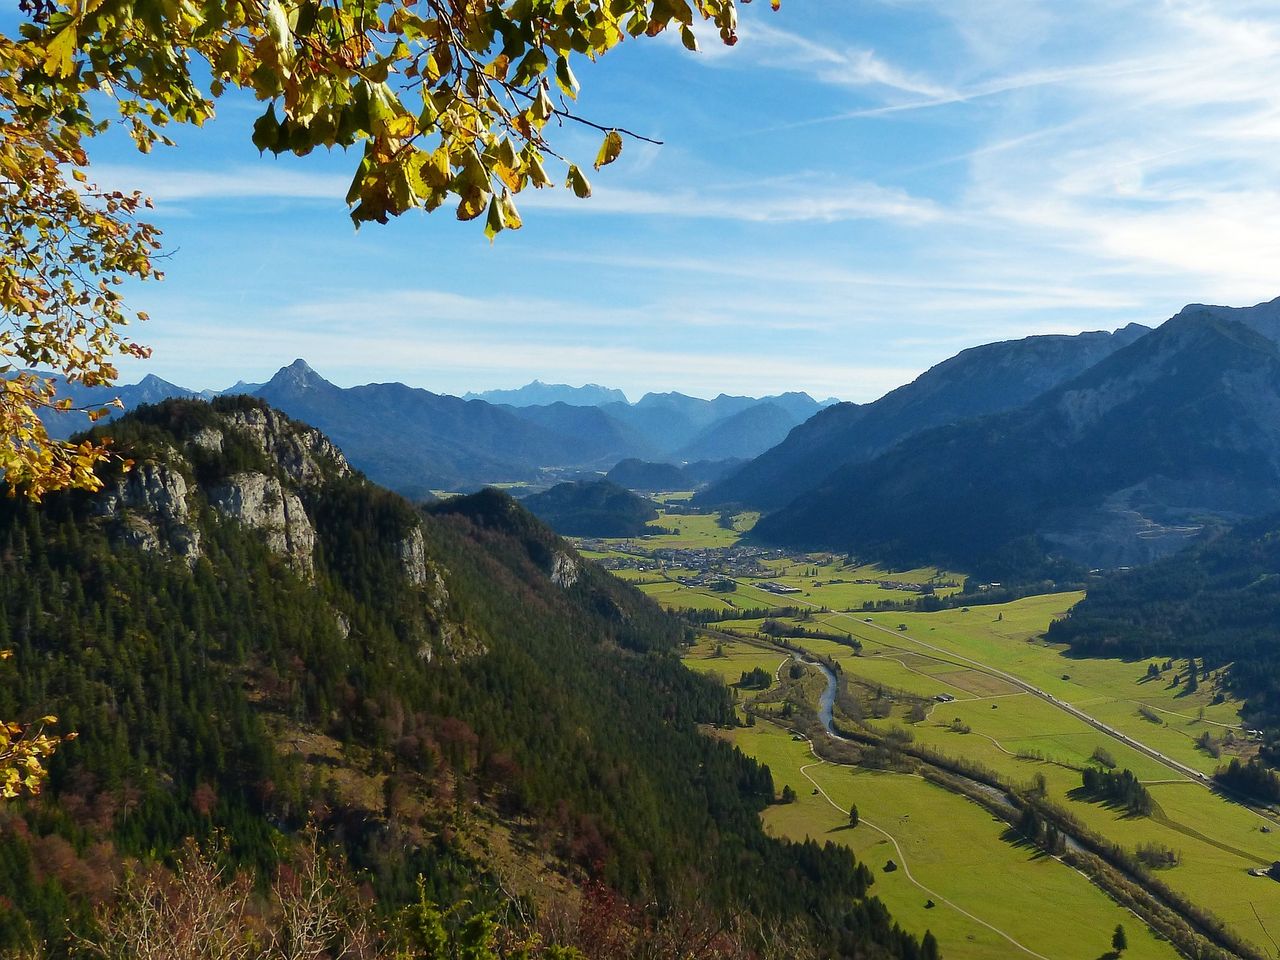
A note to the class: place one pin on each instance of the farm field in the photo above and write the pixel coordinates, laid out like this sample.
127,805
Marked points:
956,856
1007,637
1021,736
695,531
909,657
1218,840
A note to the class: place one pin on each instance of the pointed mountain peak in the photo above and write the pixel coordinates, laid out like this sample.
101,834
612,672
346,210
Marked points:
297,376
152,389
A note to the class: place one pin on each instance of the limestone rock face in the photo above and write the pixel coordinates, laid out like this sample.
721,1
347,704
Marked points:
207,439
261,503
564,571
304,454
413,557
150,504
422,572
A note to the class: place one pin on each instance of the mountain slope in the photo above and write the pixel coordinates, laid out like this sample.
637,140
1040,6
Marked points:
1218,600
744,434
674,424
249,636
413,440
1262,317
594,438
150,389
1118,465
978,381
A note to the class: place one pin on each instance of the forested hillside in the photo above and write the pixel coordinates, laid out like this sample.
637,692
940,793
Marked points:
248,636
593,508
1218,601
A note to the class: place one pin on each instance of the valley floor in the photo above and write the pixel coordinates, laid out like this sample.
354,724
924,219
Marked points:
980,684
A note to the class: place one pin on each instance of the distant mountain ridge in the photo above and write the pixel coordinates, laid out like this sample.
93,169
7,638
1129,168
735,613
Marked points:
150,389
537,394
980,380
416,441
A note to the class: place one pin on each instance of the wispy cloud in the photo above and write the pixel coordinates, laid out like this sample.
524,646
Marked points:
769,46
802,199
235,183
798,199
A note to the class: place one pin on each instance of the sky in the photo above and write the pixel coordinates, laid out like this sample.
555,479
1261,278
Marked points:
853,193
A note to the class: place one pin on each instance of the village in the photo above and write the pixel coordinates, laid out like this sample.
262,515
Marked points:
716,568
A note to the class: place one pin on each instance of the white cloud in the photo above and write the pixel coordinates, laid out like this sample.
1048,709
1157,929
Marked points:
261,180
769,46
802,199
797,199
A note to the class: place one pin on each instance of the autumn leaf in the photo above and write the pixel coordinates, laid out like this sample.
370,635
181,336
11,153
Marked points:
610,149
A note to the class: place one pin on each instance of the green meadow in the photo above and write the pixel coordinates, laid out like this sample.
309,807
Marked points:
991,898
961,852
1021,736
694,531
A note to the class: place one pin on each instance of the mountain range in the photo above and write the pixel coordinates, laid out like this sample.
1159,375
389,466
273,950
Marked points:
1103,449
539,394
981,380
415,441
1122,463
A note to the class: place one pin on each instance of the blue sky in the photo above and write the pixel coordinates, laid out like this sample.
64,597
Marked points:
853,193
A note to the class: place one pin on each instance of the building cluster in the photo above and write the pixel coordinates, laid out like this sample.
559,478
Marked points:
900,585
774,587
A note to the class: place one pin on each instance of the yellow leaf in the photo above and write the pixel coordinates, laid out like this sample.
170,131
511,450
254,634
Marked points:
58,54
578,183
610,150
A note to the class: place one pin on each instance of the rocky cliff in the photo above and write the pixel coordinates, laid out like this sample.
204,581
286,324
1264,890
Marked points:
240,461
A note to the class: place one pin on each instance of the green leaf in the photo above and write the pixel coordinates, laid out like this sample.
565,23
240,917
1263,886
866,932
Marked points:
278,30
610,150
306,17
565,78
495,223
510,215
530,68
472,203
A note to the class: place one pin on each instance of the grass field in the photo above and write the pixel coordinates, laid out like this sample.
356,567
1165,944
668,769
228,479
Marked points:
1014,733
955,851
696,531
1021,736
